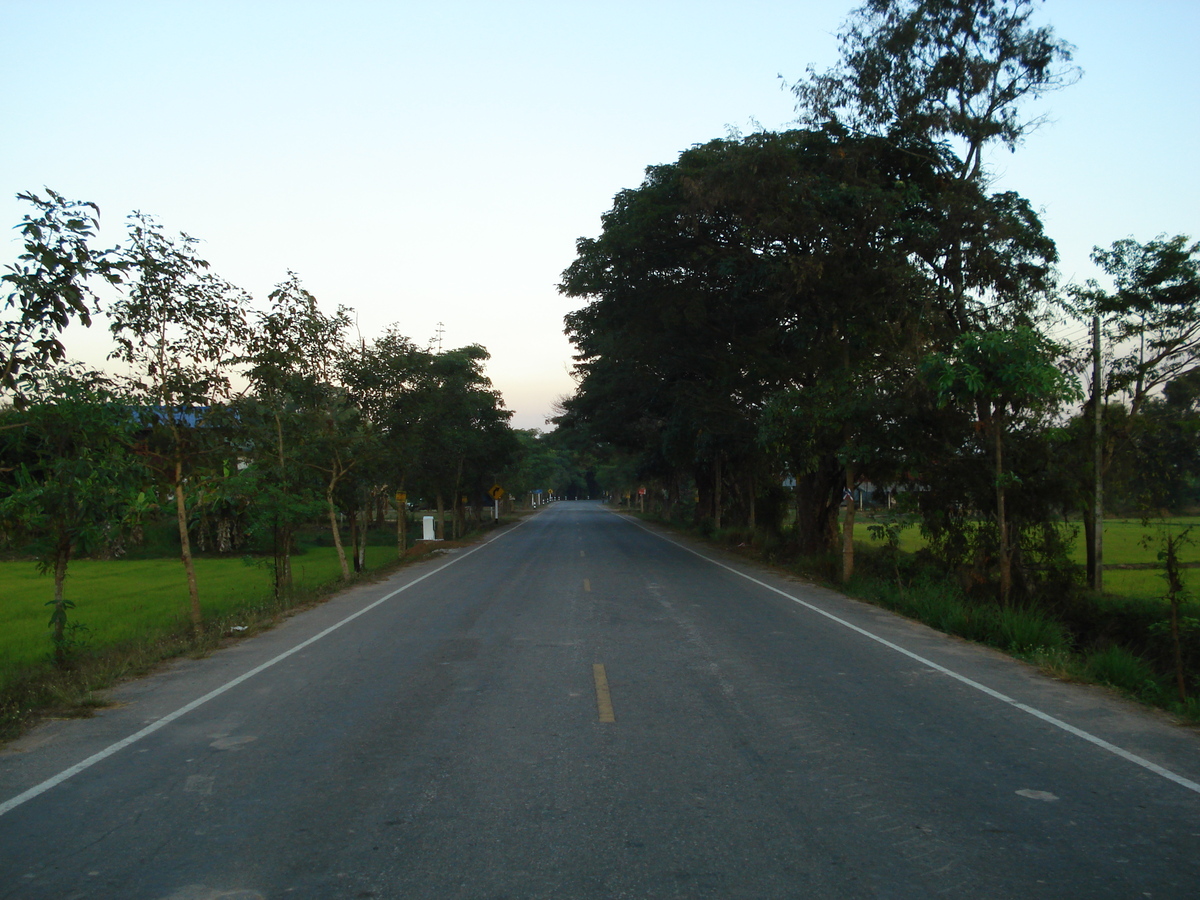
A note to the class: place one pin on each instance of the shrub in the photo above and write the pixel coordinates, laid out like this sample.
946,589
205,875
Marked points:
1024,630
1117,667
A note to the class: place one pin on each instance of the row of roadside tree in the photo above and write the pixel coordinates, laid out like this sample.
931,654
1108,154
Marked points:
241,422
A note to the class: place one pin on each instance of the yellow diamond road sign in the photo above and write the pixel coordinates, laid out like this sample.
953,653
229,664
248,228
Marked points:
496,492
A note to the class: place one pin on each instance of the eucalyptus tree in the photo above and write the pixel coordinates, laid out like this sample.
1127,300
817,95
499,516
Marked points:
49,286
179,328
71,476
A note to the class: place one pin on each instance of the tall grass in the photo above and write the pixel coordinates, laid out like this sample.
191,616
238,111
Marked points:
939,603
1117,667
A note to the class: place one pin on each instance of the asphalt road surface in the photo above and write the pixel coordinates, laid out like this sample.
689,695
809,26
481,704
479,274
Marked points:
582,707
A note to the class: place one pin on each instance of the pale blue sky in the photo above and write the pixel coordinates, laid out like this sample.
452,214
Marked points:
428,163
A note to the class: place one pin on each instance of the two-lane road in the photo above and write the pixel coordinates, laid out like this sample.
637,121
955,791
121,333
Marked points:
583,708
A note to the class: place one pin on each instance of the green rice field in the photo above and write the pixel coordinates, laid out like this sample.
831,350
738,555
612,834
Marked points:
124,601
1124,544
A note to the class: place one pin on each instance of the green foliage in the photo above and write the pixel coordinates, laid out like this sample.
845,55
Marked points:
1117,667
320,424
939,602
1009,371
545,462
178,325
1002,376
938,69
1157,305
1151,323
291,354
1177,596
463,426
1026,630
49,287
1151,317
73,480
756,307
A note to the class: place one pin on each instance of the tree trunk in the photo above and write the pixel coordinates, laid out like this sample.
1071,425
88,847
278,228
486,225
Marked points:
185,546
1174,590
717,493
281,554
441,518
286,535
401,523
848,530
1089,538
1095,544
62,556
457,509
283,558
356,538
361,559
816,511
334,530
275,553
1001,521
751,518
703,508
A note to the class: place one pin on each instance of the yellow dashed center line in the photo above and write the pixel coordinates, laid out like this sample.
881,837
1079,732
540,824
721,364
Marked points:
587,585
604,707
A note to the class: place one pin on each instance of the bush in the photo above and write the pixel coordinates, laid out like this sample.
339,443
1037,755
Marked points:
943,610
1117,667
1026,631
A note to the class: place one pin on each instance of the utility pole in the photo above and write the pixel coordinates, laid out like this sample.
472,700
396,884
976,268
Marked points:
1097,573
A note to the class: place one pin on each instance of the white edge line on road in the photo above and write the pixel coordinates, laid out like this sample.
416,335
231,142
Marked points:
9,805
1003,698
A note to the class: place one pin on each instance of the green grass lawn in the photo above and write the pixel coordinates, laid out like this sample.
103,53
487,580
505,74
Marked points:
1124,543
122,601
